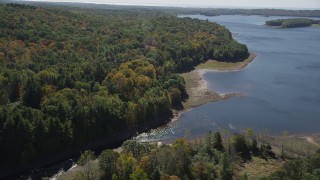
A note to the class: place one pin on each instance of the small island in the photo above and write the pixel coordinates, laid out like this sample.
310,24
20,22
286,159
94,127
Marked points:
293,22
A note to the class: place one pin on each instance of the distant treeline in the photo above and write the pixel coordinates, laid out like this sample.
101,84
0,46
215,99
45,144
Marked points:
261,12
179,10
292,23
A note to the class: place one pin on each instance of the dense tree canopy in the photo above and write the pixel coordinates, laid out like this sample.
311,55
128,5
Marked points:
71,76
148,161
206,158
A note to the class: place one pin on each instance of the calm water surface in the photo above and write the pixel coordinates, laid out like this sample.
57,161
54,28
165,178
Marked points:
281,86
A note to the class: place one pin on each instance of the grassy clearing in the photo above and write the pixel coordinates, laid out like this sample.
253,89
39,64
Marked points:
315,25
257,167
225,66
294,145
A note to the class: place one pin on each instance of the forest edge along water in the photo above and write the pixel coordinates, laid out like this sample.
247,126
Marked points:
251,30
200,94
74,143
197,88
98,91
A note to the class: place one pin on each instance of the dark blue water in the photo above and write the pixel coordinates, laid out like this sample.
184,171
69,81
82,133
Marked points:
281,86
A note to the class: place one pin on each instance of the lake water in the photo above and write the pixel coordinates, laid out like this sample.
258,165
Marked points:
281,86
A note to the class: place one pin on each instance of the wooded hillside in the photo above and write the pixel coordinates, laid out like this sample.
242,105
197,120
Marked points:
70,77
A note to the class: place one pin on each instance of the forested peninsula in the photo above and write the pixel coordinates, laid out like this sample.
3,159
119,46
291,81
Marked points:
293,22
74,78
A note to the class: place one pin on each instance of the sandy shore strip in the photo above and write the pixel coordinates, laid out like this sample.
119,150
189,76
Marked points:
198,91
197,87
213,65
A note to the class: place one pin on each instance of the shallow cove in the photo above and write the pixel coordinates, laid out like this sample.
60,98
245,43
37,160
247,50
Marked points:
281,86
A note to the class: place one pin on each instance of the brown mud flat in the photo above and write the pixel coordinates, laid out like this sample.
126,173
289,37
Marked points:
197,87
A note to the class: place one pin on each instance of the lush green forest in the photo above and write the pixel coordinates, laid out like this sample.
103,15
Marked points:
207,158
215,156
292,23
71,76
